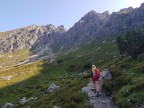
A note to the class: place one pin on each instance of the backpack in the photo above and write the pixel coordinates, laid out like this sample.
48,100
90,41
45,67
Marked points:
91,74
96,73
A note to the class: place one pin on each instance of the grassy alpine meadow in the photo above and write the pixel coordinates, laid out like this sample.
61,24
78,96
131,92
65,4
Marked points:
32,80
12,58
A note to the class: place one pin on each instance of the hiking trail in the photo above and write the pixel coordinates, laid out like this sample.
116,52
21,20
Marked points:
102,101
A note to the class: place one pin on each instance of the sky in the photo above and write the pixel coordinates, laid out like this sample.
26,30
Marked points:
20,13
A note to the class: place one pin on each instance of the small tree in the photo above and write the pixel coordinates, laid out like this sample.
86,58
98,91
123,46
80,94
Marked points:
131,44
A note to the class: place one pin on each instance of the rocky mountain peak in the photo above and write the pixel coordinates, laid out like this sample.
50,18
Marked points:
50,27
142,5
106,13
61,28
126,10
93,14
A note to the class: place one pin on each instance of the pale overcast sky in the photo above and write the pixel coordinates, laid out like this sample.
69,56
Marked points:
20,13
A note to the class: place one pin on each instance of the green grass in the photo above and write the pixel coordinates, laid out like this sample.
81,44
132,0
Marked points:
127,85
33,80
101,54
67,96
12,58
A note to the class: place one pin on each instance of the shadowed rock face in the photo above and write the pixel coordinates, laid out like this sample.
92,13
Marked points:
88,28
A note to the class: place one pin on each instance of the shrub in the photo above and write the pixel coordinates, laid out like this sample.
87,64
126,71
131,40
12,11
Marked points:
71,68
70,105
131,44
87,66
108,87
60,61
124,103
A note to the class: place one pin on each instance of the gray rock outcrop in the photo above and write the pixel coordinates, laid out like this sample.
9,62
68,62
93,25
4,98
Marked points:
29,37
24,100
52,87
105,75
8,105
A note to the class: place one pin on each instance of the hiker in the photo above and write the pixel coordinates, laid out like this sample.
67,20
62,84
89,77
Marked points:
95,75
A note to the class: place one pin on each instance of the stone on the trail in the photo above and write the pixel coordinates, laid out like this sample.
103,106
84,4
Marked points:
85,90
91,94
104,102
105,74
52,87
88,90
141,106
8,105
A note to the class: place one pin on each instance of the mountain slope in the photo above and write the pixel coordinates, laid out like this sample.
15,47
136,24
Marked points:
87,29
32,80
29,37
127,85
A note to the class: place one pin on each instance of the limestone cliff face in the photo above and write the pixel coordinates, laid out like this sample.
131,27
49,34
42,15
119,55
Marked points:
94,25
124,20
88,28
29,37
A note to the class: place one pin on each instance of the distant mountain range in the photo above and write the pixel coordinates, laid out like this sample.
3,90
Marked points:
87,29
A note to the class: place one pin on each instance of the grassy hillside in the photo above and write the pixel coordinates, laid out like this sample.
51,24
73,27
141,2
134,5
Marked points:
32,80
127,86
1,33
12,58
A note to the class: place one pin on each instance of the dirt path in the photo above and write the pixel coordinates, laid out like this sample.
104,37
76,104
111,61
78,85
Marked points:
98,102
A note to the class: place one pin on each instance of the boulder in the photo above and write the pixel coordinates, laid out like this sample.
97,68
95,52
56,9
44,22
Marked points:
88,90
56,107
52,87
105,74
8,105
23,100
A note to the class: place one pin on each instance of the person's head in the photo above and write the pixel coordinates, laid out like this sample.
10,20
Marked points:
93,66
